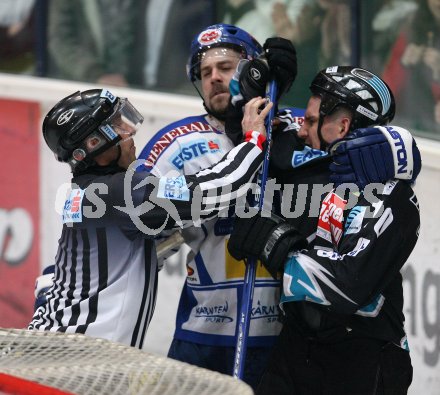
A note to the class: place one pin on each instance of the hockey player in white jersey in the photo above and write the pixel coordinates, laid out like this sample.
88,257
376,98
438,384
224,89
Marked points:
206,320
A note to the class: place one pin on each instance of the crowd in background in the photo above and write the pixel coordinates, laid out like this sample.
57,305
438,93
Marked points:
144,43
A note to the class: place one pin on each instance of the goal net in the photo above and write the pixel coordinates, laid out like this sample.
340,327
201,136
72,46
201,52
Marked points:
78,364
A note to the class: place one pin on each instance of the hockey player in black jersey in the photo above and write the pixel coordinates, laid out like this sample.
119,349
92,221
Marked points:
342,295
105,278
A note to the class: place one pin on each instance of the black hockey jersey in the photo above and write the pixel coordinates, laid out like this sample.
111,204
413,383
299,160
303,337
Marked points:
349,279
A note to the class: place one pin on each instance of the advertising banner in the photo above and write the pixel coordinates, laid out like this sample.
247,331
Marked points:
19,210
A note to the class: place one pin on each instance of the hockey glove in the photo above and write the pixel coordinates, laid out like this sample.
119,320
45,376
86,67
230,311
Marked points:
375,154
278,62
281,57
253,78
269,239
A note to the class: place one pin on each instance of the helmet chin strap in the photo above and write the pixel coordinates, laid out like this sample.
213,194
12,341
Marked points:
115,161
89,160
221,116
323,145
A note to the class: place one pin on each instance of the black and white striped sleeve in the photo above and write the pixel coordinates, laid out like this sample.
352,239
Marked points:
167,202
219,186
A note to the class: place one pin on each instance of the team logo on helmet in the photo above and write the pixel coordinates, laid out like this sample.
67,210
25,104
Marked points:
209,36
65,117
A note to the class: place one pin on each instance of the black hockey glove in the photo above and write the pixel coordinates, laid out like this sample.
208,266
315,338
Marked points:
281,57
254,76
269,239
278,62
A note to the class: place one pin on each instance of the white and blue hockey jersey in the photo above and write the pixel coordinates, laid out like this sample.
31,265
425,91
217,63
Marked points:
208,307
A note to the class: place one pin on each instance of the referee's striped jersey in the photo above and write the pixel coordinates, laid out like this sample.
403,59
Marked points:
105,279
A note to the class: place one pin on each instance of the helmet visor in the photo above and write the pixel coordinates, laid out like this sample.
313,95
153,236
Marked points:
124,121
224,53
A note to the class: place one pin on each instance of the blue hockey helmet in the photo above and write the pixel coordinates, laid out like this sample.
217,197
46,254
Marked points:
220,35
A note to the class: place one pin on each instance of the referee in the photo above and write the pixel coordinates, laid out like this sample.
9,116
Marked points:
105,278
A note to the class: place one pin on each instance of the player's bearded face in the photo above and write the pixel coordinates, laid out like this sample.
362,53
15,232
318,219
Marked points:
216,71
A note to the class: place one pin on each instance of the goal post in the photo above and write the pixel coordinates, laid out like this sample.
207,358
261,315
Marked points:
79,364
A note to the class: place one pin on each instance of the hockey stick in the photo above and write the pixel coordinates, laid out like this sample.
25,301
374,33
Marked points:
174,241
251,267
